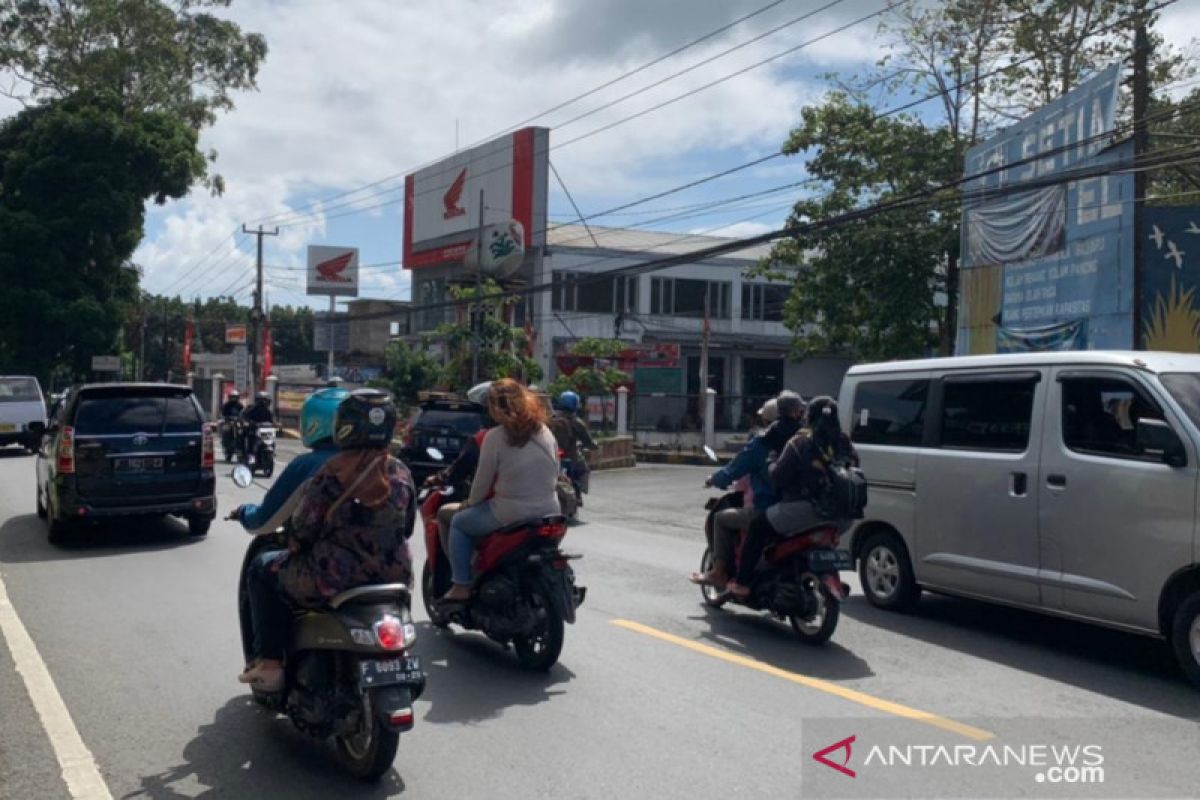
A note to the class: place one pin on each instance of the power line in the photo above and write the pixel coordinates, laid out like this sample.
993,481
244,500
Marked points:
559,106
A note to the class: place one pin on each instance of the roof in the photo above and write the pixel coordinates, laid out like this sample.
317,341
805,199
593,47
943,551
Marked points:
1152,361
638,241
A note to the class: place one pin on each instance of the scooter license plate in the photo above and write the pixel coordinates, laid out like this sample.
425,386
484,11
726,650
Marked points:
831,560
389,671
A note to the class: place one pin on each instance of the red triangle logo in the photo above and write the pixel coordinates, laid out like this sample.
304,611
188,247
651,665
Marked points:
843,767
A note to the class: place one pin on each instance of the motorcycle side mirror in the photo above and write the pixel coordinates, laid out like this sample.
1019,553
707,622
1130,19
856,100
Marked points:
435,454
242,476
447,490
712,454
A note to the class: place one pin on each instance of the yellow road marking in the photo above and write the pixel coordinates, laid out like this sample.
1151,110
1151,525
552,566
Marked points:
886,706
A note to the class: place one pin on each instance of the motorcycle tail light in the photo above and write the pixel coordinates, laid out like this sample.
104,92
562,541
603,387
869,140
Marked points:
403,716
553,531
389,632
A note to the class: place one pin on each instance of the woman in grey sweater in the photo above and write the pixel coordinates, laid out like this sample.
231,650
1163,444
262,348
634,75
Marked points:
515,479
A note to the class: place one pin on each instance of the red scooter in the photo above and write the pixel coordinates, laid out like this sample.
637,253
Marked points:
524,589
797,578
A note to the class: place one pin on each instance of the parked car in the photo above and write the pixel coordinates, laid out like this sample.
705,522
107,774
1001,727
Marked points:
1065,483
124,450
21,405
444,422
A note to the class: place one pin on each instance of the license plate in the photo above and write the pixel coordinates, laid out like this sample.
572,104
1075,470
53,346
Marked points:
831,560
137,465
7,427
388,671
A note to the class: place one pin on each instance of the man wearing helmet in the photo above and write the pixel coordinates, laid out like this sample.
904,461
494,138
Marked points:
783,416
257,414
347,505
569,432
233,406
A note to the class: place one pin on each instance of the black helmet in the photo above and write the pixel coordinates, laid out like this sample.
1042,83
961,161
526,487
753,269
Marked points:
823,412
789,404
365,419
262,398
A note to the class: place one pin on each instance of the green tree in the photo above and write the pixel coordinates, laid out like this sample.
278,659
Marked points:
409,370
598,377
502,347
172,56
74,178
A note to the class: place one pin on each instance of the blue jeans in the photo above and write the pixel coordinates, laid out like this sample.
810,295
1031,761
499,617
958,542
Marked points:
468,525
269,609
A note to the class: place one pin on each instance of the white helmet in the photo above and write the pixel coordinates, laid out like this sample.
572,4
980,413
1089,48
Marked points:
479,393
769,411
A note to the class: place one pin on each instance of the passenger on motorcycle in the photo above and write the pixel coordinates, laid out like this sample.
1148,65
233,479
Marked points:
347,506
460,472
518,466
569,432
752,463
801,478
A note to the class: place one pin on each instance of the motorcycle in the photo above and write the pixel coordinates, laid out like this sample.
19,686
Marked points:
259,444
349,675
229,442
524,589
797,579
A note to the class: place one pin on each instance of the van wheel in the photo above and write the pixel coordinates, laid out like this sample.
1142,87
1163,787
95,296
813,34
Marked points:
57,531
1185,637
887,574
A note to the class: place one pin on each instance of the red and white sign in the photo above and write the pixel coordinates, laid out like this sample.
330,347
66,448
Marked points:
333,270
235,333
441,203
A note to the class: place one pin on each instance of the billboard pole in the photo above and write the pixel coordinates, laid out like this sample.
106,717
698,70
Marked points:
256,313
477,311
329,365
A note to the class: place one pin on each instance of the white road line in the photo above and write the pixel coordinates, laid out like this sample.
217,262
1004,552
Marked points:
79,769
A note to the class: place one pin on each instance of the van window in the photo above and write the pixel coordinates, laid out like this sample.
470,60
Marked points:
182,416
119,415
890,412
1099,415
987,414
19,390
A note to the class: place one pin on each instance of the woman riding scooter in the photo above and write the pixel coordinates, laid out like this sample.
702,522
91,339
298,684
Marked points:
348,503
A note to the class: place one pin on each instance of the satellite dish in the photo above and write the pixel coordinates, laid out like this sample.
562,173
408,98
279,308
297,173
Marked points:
503,250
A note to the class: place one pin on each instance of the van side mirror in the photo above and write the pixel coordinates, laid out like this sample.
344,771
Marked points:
1156,438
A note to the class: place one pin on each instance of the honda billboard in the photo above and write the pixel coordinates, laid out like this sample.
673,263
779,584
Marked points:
442,212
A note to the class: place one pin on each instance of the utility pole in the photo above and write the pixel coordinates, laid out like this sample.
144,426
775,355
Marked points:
256,313
1141,146
476,311
704,352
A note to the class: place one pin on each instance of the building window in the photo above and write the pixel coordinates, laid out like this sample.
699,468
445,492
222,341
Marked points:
607,295
987,414
890,413
685,297
431,292
764,301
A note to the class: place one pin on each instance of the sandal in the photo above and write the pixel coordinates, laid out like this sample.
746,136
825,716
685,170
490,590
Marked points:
701,579
270,680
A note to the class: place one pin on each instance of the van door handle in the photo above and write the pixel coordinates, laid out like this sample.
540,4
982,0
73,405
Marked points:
1018,484
1057,481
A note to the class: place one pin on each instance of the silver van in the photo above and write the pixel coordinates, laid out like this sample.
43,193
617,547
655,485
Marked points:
1059,482
21,403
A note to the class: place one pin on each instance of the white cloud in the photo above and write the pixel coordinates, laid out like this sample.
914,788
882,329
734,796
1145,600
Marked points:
740,230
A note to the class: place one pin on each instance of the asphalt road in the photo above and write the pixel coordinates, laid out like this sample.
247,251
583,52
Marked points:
655,696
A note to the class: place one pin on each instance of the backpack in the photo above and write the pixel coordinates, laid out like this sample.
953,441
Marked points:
845,494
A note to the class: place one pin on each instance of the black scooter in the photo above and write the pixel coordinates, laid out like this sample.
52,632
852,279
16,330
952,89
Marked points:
349,676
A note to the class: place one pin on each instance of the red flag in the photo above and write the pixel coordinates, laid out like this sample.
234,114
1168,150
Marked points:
189,330
268,353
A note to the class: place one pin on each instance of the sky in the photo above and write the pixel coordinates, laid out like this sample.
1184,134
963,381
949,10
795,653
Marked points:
363,91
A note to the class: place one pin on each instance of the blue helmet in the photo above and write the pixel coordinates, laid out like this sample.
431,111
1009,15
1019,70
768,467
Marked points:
317,415
568,401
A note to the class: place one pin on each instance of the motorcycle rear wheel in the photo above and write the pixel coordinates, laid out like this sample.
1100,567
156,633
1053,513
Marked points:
712,597
541,649
818,628
427,597
371,752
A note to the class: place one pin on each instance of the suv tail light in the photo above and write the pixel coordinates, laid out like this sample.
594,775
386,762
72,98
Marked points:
207,452
66,451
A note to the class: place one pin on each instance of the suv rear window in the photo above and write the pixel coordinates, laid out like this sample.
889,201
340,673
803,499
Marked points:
463,423
19,390
138,413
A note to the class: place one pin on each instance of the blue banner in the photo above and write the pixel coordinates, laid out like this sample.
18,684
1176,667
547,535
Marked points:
1171,279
